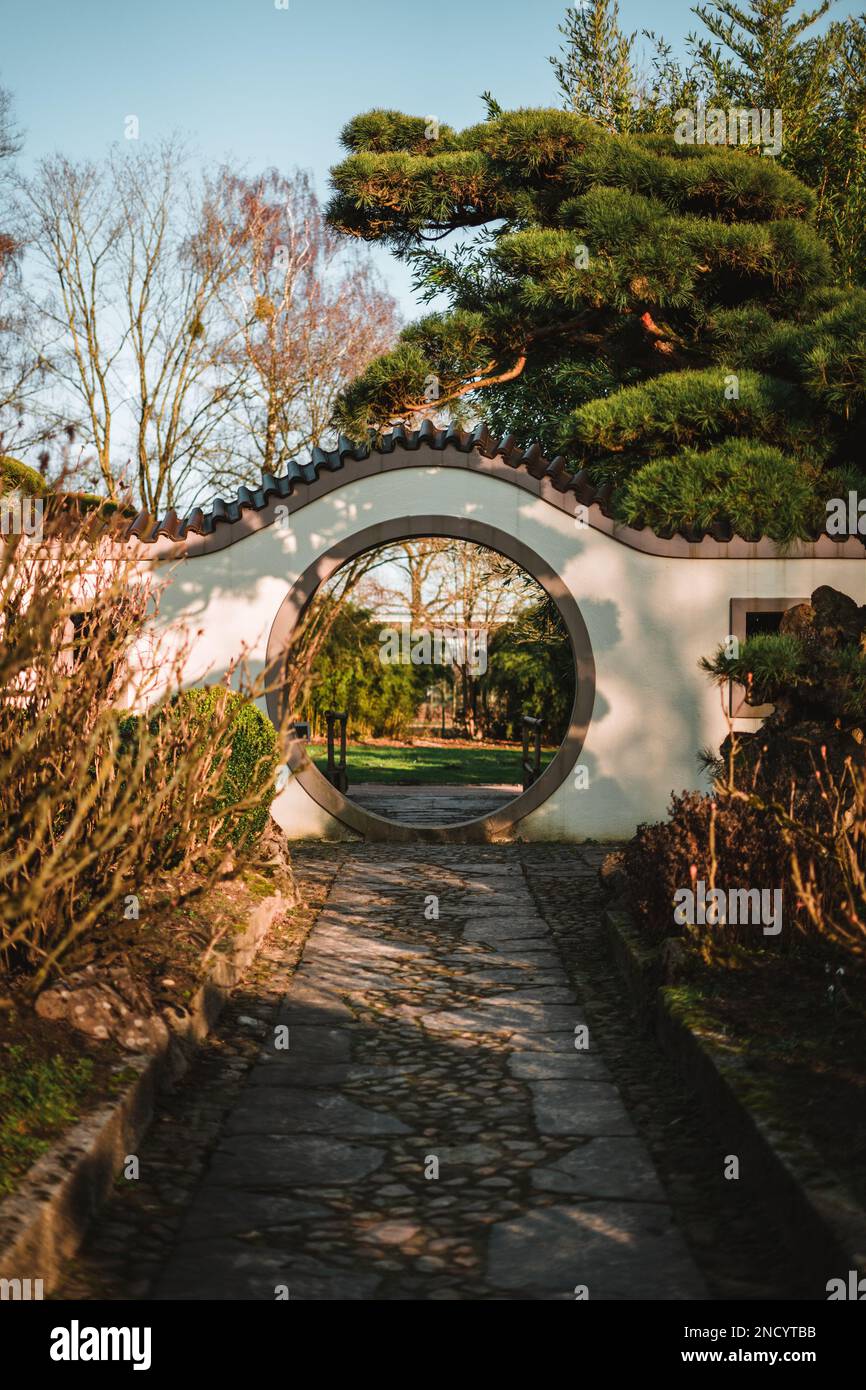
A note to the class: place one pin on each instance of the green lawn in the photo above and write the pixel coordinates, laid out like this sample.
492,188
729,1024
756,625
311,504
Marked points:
422,766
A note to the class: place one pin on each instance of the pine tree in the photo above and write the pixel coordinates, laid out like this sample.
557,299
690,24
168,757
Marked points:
662,314
759,54
769,54
594,68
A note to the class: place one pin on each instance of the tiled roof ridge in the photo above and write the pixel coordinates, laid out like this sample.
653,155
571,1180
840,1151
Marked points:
201,522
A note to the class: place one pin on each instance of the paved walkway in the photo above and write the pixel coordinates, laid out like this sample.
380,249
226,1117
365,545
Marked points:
431,805
431,1132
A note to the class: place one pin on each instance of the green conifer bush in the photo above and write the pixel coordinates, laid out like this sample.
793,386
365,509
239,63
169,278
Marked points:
662,315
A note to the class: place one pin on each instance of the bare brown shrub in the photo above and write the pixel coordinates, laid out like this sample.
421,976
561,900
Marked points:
87,815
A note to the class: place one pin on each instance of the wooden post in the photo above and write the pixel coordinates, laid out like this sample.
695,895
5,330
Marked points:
531,769
336,771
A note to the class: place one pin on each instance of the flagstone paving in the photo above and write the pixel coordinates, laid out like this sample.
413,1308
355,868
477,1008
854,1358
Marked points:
431,804
432,1131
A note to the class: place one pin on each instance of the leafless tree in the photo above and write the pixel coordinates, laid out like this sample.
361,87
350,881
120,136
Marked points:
440,581
137,340
196,326
308,312
19,365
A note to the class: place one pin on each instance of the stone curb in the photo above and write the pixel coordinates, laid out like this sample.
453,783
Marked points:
824,1226
44,1222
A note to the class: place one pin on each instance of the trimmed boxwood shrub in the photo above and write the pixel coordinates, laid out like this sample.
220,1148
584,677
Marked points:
253,760
19,476
212,715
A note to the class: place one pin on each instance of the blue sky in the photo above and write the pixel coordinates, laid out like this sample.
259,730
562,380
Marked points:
274,86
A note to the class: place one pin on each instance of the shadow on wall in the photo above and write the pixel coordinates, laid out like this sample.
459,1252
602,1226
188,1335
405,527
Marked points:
244,593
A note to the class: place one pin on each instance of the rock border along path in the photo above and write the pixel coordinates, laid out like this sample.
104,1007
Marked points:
431,1131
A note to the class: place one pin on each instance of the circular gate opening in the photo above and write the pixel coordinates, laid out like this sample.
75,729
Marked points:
439,677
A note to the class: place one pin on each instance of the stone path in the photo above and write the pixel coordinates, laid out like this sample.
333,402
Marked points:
431,1131
431,805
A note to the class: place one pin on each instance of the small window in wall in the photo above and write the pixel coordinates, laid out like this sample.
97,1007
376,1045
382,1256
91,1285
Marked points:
759,624
753,617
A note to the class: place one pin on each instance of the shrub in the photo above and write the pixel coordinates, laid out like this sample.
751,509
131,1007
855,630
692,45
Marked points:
813,669
213,720
719,840
827,862
94,806
20,477
789,804
812,846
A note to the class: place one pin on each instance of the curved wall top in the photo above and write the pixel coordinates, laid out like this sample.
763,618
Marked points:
225,523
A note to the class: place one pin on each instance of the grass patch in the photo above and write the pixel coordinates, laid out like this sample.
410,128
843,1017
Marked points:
423,766
39,1098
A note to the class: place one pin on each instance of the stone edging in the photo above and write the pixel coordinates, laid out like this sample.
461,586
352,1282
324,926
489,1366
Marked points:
44,1225
824,1225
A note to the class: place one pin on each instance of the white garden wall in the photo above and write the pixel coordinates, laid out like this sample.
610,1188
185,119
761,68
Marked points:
649,618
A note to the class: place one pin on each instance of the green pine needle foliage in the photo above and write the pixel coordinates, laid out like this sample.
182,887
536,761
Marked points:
748,489
685,408
652,311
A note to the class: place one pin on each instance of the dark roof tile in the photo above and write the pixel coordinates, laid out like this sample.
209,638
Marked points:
480,439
